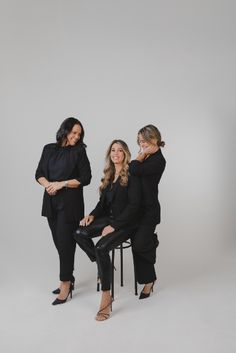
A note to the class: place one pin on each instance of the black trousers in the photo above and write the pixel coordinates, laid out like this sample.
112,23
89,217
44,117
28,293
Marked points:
62,234
144,244
100,251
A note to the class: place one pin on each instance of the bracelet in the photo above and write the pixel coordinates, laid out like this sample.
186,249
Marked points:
66,183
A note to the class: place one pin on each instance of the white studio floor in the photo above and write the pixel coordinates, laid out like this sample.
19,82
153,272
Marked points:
184,315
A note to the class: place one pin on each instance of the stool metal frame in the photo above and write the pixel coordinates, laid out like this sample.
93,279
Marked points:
126,244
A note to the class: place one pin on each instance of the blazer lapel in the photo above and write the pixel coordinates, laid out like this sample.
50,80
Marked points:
115,188
114,191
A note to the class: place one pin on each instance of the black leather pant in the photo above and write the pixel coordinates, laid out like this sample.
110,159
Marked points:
144,244
100,251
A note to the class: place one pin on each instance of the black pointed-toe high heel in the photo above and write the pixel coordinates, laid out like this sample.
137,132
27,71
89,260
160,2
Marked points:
57,291
146,295
62,301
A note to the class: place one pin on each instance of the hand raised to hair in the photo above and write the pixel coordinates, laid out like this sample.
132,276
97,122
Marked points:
150,150
146,152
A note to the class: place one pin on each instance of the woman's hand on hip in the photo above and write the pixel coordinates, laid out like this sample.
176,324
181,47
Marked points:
87,220
107,230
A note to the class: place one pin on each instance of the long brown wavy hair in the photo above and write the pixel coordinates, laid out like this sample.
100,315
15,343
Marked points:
109,169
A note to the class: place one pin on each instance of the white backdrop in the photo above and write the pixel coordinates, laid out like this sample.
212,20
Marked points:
117,66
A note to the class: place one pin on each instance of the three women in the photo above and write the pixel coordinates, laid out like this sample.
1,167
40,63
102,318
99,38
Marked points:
128,207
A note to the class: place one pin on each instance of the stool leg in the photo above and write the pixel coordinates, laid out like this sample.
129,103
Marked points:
121,266
112,272
135,284
135,281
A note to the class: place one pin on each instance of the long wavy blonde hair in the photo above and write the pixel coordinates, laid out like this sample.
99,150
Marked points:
109,169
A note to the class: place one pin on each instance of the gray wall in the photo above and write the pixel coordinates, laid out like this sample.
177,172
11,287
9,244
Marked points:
119,65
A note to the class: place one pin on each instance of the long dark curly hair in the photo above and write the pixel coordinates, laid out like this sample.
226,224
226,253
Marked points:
65,128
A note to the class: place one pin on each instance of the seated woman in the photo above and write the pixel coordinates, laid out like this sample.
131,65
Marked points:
114,218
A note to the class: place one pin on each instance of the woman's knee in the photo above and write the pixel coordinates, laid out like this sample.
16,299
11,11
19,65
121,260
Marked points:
80,233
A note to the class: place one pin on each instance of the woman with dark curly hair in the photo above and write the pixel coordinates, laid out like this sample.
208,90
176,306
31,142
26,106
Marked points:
63,171
114,218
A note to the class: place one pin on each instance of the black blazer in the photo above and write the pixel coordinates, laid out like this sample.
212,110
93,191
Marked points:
125,204
78,167
150,172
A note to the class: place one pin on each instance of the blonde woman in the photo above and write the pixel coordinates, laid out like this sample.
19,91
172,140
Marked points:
148,166
114,218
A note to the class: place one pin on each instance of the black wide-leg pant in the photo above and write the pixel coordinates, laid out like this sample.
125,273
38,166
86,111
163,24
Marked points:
62,233
144,244
100,251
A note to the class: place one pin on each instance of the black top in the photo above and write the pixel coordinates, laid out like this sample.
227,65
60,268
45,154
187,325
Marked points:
71,162
150,172
124,204
59,162
65,163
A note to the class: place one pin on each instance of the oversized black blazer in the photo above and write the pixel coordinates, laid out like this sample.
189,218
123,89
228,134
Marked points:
78,167
150,172
125,204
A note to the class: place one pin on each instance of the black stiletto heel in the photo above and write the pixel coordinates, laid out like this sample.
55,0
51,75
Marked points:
62,301
146,295
57,291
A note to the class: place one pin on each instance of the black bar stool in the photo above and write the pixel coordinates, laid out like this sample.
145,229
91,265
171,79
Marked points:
125,245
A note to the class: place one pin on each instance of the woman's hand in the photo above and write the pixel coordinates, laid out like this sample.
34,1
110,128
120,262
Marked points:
147,151
53,187
51,193
150,150
45,183
87,220
49,190
107,230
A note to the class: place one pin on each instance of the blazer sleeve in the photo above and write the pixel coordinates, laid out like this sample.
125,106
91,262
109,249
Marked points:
155,166
133,204
84,169
40,170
